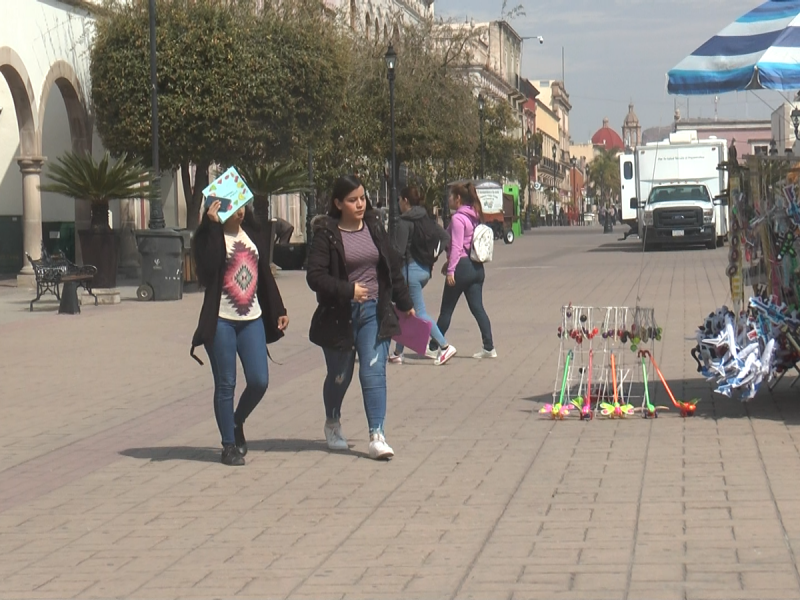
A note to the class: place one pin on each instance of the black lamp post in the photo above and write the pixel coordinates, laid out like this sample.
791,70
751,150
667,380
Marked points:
481,108
446,198
573,161
156,208
555,181
527,223
391,63
796,122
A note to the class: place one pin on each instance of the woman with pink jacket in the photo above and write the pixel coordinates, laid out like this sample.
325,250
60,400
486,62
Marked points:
465,276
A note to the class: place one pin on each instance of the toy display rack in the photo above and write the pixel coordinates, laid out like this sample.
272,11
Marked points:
603,350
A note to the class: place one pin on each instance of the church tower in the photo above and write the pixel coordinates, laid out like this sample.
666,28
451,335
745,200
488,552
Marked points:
631,129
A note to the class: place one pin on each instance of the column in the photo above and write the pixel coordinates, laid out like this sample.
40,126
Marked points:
31,168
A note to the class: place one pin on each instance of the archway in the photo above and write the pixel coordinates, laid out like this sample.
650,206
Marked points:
64,124
29,160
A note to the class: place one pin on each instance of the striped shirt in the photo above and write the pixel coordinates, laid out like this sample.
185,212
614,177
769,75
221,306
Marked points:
361,259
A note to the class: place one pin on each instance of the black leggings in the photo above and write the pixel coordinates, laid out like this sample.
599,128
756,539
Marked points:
469,281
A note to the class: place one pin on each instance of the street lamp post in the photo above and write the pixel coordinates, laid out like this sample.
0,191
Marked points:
391,63
555,181
156,208
481,107
527,223
573,162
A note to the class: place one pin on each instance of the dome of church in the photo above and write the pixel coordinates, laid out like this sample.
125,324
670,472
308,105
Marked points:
607,138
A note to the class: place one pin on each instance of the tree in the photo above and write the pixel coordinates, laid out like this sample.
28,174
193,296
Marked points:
603,177
235,84
79,176
505,156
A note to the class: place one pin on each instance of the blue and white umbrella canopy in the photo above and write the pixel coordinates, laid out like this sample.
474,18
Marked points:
760,50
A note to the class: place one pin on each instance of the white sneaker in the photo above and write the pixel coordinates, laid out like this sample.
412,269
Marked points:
445,355
378,448
486,354
396,359
434,354
334,436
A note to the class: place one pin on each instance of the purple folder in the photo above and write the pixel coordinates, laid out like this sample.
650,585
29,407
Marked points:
414,332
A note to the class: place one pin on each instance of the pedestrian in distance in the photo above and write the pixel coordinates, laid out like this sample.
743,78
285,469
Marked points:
419,240
242,312
357,277
465,276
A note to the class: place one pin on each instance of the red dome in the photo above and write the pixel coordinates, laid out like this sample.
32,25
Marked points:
607,138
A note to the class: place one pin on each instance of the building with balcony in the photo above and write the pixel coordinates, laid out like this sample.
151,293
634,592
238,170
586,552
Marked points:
378,19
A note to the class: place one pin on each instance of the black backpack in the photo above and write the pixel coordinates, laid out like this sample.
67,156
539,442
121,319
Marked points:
424,244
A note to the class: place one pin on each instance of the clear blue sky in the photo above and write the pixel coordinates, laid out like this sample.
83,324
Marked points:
619,51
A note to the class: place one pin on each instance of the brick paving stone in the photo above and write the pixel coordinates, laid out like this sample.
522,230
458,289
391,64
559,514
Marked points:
110,484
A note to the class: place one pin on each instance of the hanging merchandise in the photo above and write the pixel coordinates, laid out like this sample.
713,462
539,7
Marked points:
601,366
757,340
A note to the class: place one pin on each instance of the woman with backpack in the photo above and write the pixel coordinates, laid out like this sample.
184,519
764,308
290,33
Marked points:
419,240
357,277
464,275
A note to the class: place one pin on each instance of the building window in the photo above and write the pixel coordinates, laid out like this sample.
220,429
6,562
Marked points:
353,12
368,25
627,169
760,149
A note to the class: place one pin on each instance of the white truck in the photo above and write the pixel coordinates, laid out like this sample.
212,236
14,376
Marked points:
673,191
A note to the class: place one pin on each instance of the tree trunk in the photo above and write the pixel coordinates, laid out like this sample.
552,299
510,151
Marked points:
194,195
99,220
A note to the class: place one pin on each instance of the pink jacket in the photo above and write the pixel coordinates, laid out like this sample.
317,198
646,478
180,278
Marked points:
461,229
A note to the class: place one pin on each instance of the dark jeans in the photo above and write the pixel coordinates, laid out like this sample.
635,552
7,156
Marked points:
372,356
247,338
469,281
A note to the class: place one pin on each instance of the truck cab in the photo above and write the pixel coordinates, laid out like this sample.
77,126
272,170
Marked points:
679,213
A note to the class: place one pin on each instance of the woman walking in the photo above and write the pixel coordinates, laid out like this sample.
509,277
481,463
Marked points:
419,240
465,276
242,313
357,277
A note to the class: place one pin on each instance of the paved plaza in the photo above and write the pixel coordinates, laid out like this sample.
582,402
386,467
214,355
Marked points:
111,486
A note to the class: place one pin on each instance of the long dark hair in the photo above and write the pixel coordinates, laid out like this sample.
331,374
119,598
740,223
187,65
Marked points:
342,187
469,197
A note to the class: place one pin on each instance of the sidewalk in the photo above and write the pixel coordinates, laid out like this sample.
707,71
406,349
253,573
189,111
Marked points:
110,482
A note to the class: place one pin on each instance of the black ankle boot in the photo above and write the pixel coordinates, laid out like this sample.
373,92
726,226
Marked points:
231,456
238,436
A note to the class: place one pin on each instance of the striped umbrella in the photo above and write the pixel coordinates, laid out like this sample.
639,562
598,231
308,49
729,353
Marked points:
760,50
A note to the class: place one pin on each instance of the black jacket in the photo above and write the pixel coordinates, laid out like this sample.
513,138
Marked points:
402,238
331,325
210,255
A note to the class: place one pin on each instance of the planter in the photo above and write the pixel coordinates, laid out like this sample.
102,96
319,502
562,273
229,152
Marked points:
101,249
290,257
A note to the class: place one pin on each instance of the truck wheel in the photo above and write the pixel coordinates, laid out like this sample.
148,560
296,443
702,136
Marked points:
509,237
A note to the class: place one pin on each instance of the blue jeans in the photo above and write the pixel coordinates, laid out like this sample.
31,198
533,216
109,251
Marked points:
372,356
247,338
469,281
417,277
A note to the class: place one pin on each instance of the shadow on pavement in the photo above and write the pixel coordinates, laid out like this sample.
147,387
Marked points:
208,454
781,404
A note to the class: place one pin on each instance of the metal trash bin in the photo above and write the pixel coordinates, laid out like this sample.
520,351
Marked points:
162,264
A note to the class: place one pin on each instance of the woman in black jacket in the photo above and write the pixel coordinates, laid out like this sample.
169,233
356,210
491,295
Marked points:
242,313
357,276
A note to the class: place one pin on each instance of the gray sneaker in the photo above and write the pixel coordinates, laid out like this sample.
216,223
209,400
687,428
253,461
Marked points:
334,436
486,354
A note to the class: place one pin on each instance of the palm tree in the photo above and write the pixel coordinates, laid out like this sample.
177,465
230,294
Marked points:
268,180
79,176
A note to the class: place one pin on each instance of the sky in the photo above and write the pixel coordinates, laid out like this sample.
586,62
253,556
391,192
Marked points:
619,51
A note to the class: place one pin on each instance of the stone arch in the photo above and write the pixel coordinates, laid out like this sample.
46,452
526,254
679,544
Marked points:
16,76
64,77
